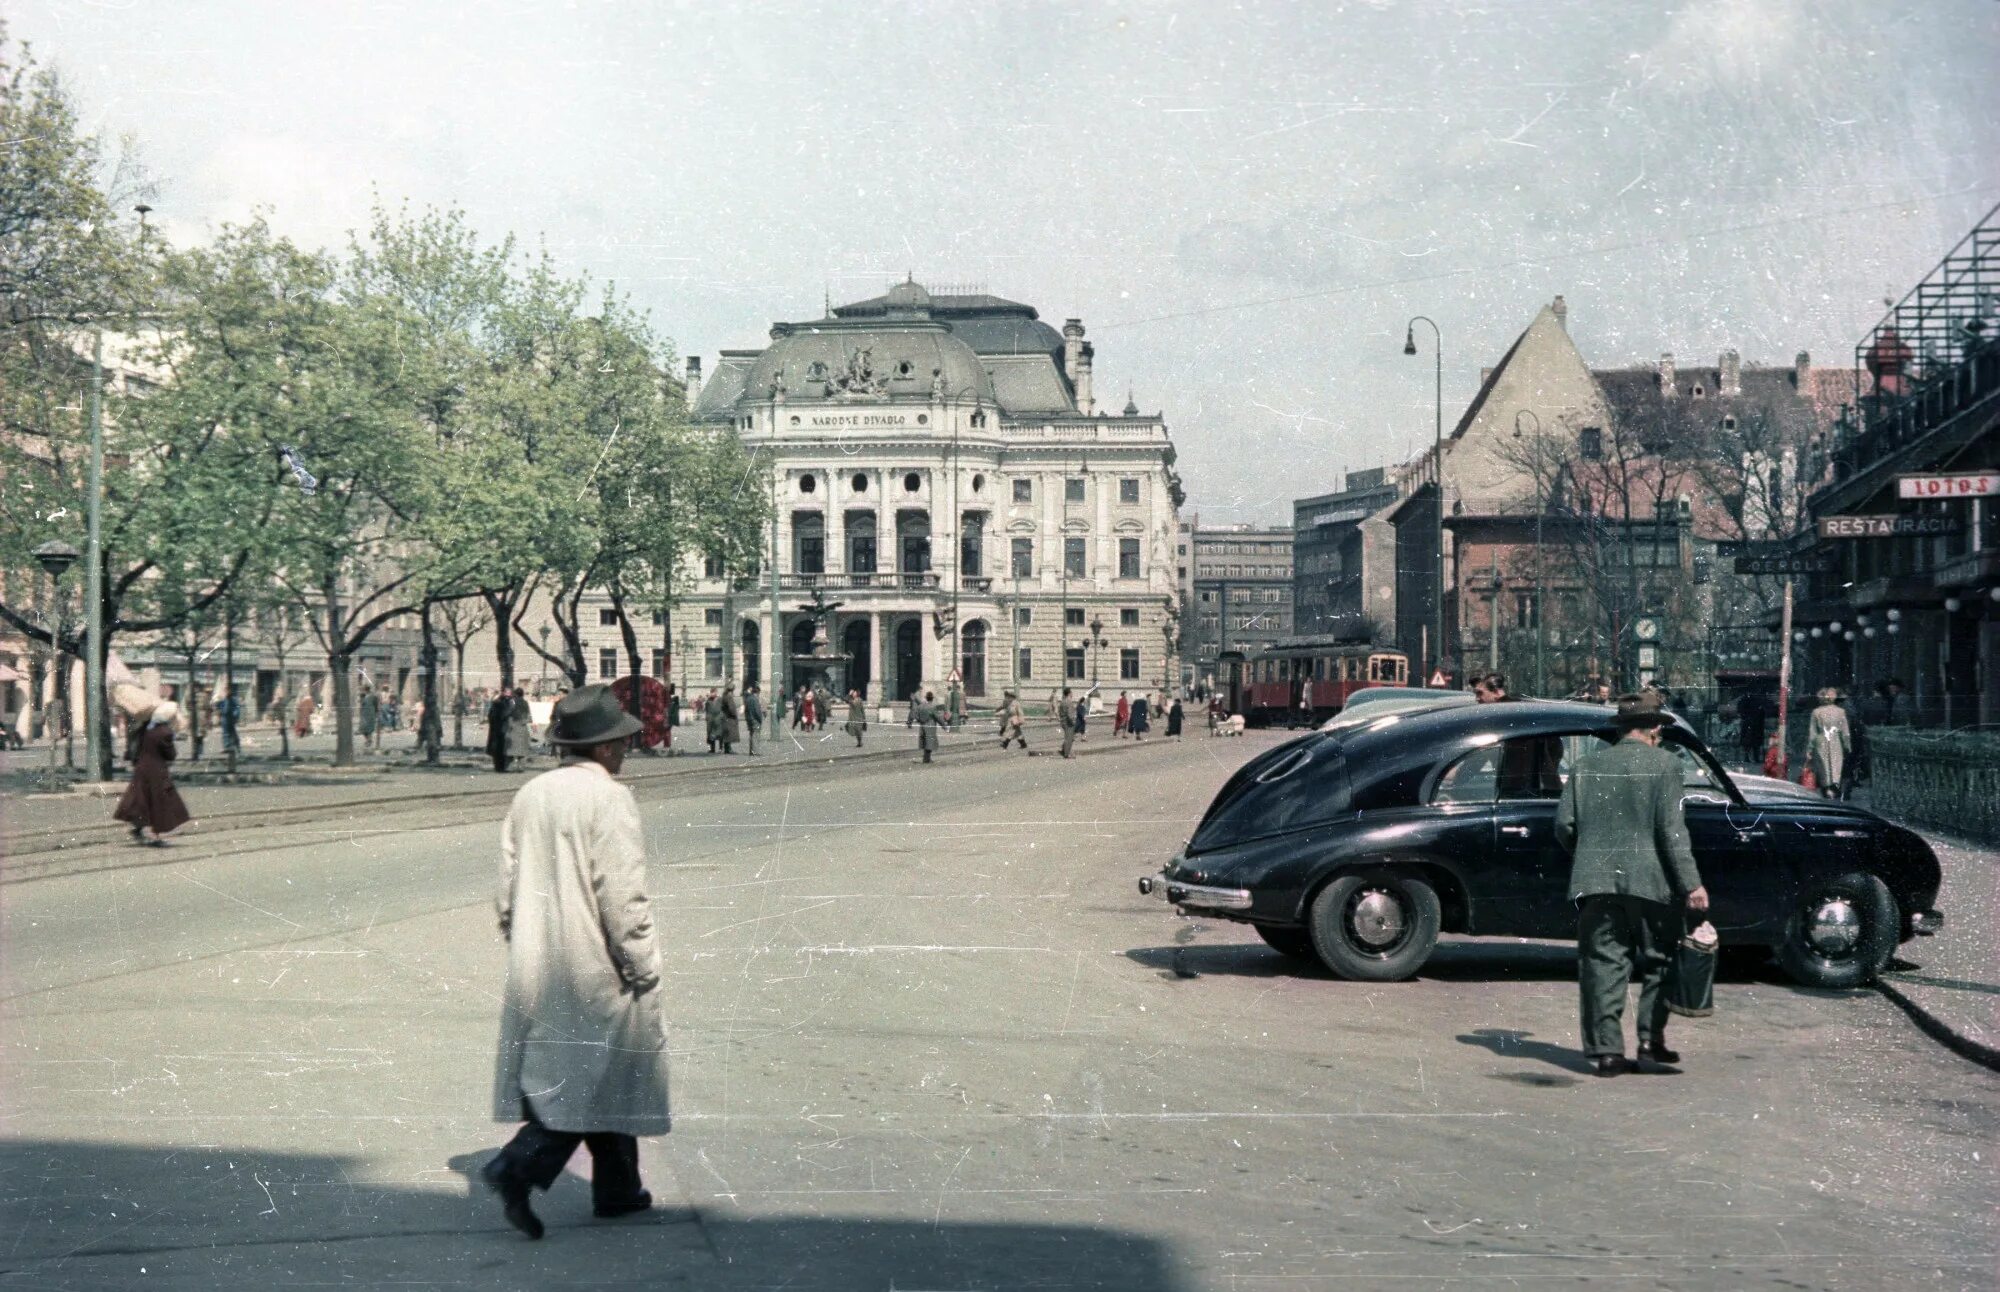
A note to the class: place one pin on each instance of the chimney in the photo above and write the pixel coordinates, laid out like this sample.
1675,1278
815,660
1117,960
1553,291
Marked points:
1802,372
1085,402
1729,380
1561,310
1072,347
1667,375
694,379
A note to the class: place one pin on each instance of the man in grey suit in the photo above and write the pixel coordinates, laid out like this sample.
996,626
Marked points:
1631,876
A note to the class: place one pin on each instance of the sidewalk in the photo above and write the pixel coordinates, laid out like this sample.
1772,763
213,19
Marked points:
1951,985
34,825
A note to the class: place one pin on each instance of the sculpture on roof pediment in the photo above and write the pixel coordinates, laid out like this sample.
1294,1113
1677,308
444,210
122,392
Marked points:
860,380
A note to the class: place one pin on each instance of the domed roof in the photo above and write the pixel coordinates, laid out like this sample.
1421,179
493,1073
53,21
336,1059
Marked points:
867,360
907,296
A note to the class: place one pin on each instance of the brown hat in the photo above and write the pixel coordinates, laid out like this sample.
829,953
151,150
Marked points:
590,715
1642,709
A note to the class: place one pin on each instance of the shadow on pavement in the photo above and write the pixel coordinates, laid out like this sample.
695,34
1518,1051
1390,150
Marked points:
1511,1044
1250,960
90,1215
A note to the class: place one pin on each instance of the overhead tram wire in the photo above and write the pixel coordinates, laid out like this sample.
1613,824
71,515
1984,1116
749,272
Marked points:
1519,262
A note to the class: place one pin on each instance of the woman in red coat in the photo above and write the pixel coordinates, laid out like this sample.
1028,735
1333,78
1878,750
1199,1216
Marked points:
152,806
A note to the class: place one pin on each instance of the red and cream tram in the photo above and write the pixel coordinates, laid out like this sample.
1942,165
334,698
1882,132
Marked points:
1266,685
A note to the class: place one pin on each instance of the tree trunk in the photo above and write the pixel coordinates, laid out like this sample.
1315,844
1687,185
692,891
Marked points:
341,688
431,729
502,604
631,637
458,700
229,744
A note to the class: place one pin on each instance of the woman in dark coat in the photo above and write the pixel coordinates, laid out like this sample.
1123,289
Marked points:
1175,716
496,729
151,805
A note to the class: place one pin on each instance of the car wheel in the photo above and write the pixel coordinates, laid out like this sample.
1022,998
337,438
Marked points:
1375,925
1296,943
1842,932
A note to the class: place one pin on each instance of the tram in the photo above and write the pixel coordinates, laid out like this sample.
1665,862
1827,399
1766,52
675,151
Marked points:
1265,684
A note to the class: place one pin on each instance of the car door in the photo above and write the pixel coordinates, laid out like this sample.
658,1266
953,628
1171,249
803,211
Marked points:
1459,830
1749,884
1528,786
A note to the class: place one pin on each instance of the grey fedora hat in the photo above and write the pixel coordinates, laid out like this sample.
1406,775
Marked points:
590,715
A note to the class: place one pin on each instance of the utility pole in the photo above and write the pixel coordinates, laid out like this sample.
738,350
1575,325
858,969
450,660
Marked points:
776,686
1785,680
96,747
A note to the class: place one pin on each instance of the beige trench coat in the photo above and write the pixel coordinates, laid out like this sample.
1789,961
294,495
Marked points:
579,1040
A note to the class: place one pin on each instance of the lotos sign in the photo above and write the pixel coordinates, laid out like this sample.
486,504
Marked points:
1971,484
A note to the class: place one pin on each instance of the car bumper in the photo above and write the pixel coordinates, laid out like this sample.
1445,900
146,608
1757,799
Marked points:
1924,924
1195,897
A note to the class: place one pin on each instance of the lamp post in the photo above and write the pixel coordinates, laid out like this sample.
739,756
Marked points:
542,683
687,645
55,557
1097,639
1437,459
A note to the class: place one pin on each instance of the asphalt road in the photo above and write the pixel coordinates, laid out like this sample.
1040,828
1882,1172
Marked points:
927,1035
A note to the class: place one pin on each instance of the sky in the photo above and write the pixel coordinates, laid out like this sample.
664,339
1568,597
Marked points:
1245,203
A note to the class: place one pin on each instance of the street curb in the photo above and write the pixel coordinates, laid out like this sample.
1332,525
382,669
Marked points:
60,843
1938,1030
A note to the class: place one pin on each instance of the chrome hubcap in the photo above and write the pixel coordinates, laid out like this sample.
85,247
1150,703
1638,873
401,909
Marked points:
1376,919
1834,927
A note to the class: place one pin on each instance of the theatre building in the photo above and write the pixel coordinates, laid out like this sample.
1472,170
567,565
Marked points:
942,475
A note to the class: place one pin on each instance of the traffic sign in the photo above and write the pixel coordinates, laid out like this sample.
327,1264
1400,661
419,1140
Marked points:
1888,525
1438,678
1969,484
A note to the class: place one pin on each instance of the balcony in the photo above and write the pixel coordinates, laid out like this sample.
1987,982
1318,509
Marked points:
889,581
1927,372
976,583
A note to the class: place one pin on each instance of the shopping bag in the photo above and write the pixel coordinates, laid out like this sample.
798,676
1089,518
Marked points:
1691,976
1808,780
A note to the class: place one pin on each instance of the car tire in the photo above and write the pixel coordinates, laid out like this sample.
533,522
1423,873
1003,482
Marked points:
1296,943
1375,925
1841,933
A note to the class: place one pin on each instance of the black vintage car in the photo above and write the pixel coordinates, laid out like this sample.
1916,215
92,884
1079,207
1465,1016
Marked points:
1359,847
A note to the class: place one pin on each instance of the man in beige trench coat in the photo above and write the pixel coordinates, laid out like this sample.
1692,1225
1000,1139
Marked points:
583,1047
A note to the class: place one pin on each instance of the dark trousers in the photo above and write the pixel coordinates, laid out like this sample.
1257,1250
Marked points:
500,762
1619,939
1069,740
536,1155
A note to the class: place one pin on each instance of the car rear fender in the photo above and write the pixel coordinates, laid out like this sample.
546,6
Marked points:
1454,894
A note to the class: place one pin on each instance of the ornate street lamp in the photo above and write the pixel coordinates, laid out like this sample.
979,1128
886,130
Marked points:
1097,638
542,683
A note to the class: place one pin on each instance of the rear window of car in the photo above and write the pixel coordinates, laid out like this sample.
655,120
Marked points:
1290,788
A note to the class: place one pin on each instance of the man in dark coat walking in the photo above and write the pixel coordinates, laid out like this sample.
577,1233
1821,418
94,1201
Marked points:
753,717
927,717
1066,716
1632,875
496,729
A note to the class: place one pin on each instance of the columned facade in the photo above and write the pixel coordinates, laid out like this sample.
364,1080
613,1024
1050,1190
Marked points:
941,477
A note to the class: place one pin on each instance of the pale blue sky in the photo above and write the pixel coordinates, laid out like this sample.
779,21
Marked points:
1691,175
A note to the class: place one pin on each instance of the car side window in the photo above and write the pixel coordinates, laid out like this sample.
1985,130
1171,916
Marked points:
1531,768
1472,779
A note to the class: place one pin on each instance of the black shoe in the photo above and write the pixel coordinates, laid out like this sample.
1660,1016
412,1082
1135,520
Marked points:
640,1201
1660,1054
1611,1065
513,1198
